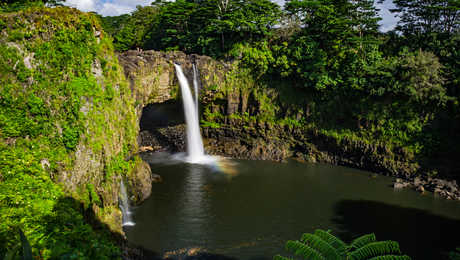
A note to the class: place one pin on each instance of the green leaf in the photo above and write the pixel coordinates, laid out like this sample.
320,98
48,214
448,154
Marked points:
327,250
363,240
303,251
375,249
279,257
334,241
391,257
11,254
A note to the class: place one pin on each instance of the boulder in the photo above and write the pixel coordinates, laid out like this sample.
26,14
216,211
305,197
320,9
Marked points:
398,185
421,189
140,182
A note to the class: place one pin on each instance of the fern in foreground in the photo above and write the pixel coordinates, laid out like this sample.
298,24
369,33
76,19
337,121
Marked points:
322,245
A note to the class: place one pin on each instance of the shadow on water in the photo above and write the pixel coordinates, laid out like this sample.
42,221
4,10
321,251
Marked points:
130,251
70,216
420,234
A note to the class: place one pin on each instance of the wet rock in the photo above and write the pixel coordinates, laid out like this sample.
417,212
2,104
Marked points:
418,182
143,149
156,178
401,184
398,185
140,182
421,189
152,75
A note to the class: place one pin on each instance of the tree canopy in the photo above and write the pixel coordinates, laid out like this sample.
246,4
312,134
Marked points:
427,16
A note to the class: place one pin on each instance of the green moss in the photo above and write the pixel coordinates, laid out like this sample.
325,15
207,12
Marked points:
93,194
52,106
205,123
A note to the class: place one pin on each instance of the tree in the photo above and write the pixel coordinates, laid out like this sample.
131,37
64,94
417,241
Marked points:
25,2
426,16
322,245
15,5
335,37
174,28
212,27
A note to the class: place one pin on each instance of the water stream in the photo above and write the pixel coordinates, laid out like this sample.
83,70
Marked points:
195,150
124,206
195,87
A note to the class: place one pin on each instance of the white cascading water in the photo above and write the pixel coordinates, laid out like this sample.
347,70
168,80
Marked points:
124,206
195,150
195,87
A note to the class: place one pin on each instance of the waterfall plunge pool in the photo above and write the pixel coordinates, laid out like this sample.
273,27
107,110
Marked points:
249,209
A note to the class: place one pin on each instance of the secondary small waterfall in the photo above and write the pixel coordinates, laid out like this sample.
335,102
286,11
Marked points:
124,206
195,150
195,87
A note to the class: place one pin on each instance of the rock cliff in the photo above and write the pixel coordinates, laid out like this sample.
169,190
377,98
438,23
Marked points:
237,117
68,135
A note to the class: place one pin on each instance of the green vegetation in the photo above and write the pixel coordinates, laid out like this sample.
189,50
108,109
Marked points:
455,255
322,245
68,124
348,78
206,27
60,99
15,5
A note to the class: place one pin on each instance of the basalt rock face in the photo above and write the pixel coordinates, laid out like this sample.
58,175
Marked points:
152,75
244,118
274,142
232,105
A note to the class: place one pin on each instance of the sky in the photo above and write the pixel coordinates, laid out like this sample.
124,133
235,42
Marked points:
118,7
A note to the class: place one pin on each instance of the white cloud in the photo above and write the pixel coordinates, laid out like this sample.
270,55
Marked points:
107,7
83,5
389,21
118,7
280,2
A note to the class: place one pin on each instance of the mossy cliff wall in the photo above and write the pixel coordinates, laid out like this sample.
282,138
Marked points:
68,135
153,78
246,118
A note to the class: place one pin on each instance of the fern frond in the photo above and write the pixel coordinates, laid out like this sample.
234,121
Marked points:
332,240
280,257
323,247
363,240
375,249
391,257
304,251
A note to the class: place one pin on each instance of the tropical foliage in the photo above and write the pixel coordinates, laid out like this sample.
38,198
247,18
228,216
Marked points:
50,102
322,245
400,87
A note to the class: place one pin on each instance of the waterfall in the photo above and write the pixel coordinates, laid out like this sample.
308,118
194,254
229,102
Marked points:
195,87
124,206
195,150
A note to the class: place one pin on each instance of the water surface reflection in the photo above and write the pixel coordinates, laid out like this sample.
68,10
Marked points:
250,215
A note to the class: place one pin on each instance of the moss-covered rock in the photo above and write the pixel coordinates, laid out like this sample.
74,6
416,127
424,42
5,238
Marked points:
68,134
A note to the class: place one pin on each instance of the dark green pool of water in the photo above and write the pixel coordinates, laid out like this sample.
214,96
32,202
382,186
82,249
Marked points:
250,215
